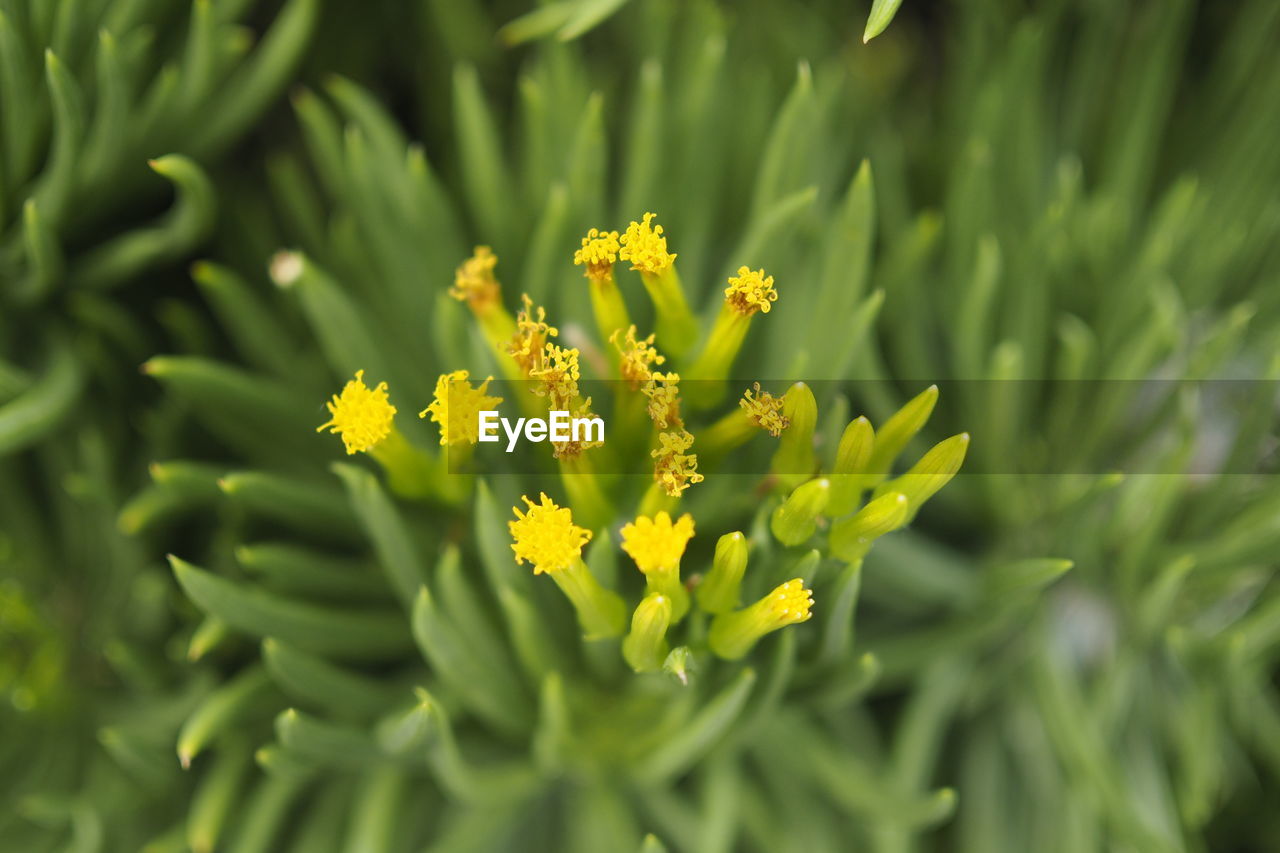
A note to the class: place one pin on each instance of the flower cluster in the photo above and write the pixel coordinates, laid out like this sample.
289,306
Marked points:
654,412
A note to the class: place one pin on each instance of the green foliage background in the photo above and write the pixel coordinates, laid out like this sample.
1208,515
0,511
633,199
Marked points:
1033,193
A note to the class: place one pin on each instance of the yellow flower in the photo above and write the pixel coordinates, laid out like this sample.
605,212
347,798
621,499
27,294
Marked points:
456,407
749,291
546,536
531,335
788,603
663,392
674,468
645,247
637,356
764,410
559,371
599,252
656,544
733,634
474,281
362,415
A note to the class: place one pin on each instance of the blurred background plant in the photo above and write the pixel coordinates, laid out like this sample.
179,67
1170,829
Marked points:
1058,200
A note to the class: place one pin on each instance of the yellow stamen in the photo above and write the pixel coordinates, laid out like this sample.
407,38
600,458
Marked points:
675,469
457,405
546,536
646,248
559,371
636,356
749,291
531,335
663,392
475,283
764,410
656,544
362,415
598,254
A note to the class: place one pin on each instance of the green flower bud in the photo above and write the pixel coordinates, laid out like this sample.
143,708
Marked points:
645,648
796,518
794,460
934,470
718,592
851,538
852,458
899,429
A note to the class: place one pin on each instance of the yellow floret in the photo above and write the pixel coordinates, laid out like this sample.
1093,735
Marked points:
656,544
637,354
457,405
546,536
531,335
764,410
475,283
675,469
787,604
663,391
598,254
749,291
645,246
362,415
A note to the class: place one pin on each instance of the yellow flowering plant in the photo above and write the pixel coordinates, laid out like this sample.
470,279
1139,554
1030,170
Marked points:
386,634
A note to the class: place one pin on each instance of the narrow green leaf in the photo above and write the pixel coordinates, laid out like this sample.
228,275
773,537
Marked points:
327,744
216,795
687,746
42,406
312,573
269,806
457,666
484,172
58,176
247,318
187,223
376,814
45,264
333,689
378,515
248,93
882,12
221,711
344,633
299,504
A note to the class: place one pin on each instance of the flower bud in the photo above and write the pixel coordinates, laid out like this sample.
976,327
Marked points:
718,592
645,648
796,518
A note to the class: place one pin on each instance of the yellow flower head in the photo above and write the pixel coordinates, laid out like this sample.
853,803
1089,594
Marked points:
531,335
599,252
646,248
456,407
749,291
663,392
546,536
559,371
637,355
787,604
764,410
656,544
474,282
361,414
674,468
